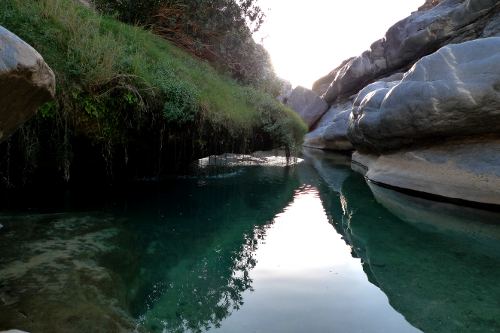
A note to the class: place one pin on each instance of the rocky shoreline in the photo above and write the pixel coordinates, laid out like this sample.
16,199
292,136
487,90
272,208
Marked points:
421,108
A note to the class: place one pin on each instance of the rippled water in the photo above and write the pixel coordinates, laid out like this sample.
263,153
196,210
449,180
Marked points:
249,248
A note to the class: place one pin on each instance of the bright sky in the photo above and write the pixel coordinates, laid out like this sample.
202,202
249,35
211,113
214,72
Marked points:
307,39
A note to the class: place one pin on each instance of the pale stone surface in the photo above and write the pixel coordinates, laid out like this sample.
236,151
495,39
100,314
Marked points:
454,92
26,82
468,170
422,33
307,104
331,131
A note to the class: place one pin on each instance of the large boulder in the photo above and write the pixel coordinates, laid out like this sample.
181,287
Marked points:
454,92
331,131
436,24
307,104
466,170
26,82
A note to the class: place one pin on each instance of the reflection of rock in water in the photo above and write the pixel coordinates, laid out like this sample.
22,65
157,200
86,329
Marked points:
480,226
438,281
50,280
333,168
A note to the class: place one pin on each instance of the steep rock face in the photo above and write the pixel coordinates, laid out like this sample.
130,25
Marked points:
436,128
321,86
26,82
307,104
454,92
420,34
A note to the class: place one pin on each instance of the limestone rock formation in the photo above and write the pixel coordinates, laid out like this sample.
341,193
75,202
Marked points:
465,170
436,24
307,104
26,82
331,131
454,92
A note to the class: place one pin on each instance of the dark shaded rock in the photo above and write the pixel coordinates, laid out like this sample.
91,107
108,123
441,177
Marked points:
321,86
307,104
331,131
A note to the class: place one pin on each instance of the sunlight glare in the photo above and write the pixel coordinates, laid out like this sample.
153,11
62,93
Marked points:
302,240
306,40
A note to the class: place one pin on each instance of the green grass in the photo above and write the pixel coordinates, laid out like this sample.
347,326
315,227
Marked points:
111,76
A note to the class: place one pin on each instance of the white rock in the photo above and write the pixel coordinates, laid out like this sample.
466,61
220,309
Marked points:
454,92
468,170
421,33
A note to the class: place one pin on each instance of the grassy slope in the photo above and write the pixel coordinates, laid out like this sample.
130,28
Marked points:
111,76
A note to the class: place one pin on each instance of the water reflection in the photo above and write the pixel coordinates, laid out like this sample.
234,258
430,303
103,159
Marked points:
479,228
198,253
305,279
437,263
303,248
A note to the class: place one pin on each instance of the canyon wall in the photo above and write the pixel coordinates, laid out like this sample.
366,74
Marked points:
421,107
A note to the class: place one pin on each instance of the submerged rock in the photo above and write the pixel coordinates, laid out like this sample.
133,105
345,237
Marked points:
307,104
436,24
468,170
454,92
26,82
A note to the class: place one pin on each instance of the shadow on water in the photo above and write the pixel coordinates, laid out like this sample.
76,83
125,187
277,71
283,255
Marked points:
175,257
196,278
439,264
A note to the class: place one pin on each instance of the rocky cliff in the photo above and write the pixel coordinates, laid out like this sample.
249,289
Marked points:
26,82
422,106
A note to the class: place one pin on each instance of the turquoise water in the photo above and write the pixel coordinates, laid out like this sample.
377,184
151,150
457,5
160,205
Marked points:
309,248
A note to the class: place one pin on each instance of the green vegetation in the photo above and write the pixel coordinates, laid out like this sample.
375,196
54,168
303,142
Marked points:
219,31
121,88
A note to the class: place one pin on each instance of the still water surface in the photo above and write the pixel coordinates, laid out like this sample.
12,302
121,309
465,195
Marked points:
305,248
